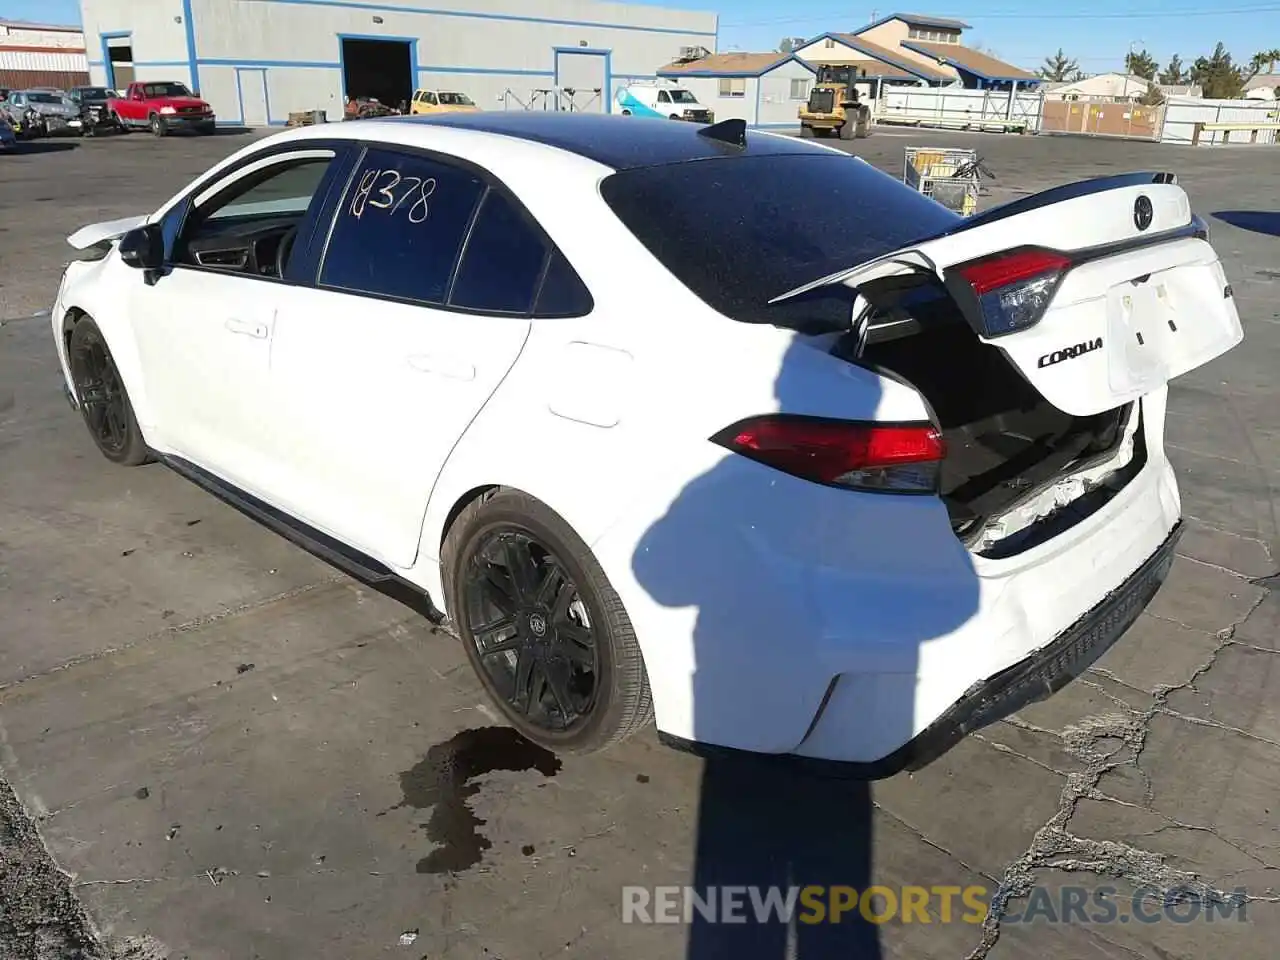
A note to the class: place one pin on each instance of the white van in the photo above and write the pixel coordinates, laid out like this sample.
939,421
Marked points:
661,98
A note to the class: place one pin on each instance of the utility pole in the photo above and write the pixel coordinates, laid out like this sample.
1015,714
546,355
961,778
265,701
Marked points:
1125,94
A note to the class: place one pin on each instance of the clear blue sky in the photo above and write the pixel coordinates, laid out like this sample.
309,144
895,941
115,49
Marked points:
1095,32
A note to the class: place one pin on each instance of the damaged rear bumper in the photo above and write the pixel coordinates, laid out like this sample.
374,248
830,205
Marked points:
1034,678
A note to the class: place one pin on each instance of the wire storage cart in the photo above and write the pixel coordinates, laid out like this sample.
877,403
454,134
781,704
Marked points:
949,175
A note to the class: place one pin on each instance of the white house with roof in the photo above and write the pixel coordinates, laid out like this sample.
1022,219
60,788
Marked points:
764,89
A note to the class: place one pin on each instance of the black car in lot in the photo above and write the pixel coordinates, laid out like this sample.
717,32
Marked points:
95,116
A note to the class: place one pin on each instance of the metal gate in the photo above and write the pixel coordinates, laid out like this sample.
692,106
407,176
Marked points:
1102,118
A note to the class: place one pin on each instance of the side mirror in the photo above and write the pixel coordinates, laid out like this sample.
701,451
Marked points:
143,248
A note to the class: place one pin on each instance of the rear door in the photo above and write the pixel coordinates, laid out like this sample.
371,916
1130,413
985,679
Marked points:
422,305
1099,292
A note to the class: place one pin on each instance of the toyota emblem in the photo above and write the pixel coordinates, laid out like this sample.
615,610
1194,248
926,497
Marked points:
1143,212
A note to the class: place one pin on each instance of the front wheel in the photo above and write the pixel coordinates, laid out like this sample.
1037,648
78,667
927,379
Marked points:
543,629
104,401
158,127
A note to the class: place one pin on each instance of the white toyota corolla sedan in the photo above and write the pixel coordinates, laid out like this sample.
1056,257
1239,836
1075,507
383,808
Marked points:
720,427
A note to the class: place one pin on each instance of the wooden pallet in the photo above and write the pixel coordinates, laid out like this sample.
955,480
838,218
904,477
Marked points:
303,118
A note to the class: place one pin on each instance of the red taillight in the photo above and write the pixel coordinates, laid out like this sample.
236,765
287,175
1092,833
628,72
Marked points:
1014,289
901,458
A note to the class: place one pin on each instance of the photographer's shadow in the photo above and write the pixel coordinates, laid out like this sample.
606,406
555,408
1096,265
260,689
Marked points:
753,561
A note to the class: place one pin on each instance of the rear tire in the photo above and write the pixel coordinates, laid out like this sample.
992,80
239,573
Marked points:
556,651
104,401
121,126
848,130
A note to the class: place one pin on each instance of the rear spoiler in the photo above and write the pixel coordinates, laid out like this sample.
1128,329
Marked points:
1068,191
96,233
908,259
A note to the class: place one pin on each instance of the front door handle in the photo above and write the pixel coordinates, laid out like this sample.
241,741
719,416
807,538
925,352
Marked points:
247,328
442,366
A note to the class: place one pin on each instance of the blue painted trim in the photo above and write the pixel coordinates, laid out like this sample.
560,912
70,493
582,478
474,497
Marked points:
106,52
266,91
606,89
913,20
964,68
509,17
497,71
189,25
262,64
768,68
853,43
411,41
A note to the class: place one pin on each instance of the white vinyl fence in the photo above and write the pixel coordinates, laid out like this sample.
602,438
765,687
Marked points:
1181,114
953,107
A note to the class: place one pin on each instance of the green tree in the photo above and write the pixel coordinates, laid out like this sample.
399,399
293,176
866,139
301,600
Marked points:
1060,67
1153,97
1174,73
1218,75
1141,64
1263,58
791,44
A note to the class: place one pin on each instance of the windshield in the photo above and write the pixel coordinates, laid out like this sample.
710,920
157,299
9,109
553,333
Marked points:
456,100
740,231
683,96
43,98
166,90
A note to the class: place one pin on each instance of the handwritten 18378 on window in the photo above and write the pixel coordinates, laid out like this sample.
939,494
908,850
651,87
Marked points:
392,191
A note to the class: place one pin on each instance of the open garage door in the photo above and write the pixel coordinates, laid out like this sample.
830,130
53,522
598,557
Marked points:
583,79
119,62
378,68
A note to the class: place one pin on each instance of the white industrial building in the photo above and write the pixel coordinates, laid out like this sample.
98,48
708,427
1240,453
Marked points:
41,55
256,61
764,89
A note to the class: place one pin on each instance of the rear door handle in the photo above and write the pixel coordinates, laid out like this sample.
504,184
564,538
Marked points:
248,328
442,366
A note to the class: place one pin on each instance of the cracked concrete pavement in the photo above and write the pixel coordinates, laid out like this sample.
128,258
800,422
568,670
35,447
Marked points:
222,742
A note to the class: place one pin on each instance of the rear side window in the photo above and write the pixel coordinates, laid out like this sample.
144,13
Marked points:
741,230
563,293
503,262
400,227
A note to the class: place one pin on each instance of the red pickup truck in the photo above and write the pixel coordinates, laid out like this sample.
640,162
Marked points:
161,106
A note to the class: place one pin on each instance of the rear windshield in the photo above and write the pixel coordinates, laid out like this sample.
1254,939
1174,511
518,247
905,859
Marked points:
739,231
43,98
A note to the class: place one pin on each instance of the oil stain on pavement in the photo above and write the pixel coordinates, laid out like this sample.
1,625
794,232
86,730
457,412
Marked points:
449,776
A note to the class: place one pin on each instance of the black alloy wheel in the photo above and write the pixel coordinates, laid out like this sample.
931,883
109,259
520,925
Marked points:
546,633
531,631
103,399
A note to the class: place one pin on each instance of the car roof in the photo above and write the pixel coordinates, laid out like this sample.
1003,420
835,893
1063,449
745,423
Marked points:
623,143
